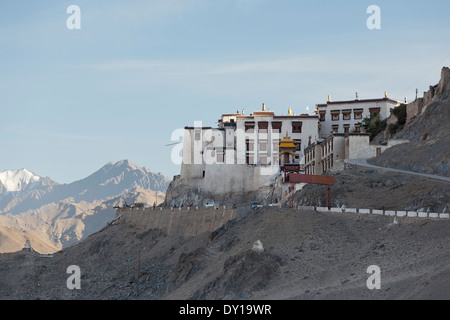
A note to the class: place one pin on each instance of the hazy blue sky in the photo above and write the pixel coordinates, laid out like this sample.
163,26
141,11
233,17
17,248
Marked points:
72,100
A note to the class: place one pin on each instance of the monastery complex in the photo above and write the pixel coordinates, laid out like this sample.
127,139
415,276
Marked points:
246,152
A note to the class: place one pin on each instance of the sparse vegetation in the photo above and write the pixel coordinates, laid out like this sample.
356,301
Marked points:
373,125
393,128
427,151
400,113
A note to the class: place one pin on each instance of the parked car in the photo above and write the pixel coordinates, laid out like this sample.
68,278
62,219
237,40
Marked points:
209,204
256,204
275,205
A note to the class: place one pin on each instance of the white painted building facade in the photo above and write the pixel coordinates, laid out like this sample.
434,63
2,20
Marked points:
347,116
324,156
242,153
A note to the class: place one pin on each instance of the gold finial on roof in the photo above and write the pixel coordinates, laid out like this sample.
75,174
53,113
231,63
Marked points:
290,111
287,142
264,107
385,94
329,98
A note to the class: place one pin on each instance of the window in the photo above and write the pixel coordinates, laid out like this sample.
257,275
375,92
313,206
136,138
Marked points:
358,114
250,145
296,127
322,116
374,111
263,160
250,159
335,129
262,127
276,127
197,135
346,128
249,127
335,116
357,128
298,144
220,157
263,146
346,115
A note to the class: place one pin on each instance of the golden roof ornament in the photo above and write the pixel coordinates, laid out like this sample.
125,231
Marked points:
287,142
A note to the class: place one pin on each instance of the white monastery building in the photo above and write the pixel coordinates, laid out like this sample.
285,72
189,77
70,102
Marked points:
245,152
346,116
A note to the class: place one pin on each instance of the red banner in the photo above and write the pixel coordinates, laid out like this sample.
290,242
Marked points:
307,178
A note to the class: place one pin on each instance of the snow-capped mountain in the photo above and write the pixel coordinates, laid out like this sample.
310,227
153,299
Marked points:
24,192
64,213
21,181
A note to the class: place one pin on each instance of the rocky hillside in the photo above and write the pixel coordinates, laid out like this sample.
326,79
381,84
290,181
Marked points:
307,255
359,187
181,194
12,240
429,134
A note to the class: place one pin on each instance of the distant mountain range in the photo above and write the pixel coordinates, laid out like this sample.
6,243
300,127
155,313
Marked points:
22,191
21,181
61,214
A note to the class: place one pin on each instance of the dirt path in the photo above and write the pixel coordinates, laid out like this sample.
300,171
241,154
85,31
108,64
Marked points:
363,162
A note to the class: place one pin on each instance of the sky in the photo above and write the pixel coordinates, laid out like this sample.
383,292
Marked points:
72,100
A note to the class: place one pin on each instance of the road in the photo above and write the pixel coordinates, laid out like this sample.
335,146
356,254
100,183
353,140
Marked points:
363,162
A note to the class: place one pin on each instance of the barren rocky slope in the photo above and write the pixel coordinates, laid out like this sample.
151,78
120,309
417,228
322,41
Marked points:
308,255
428,150
12,240
359,187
